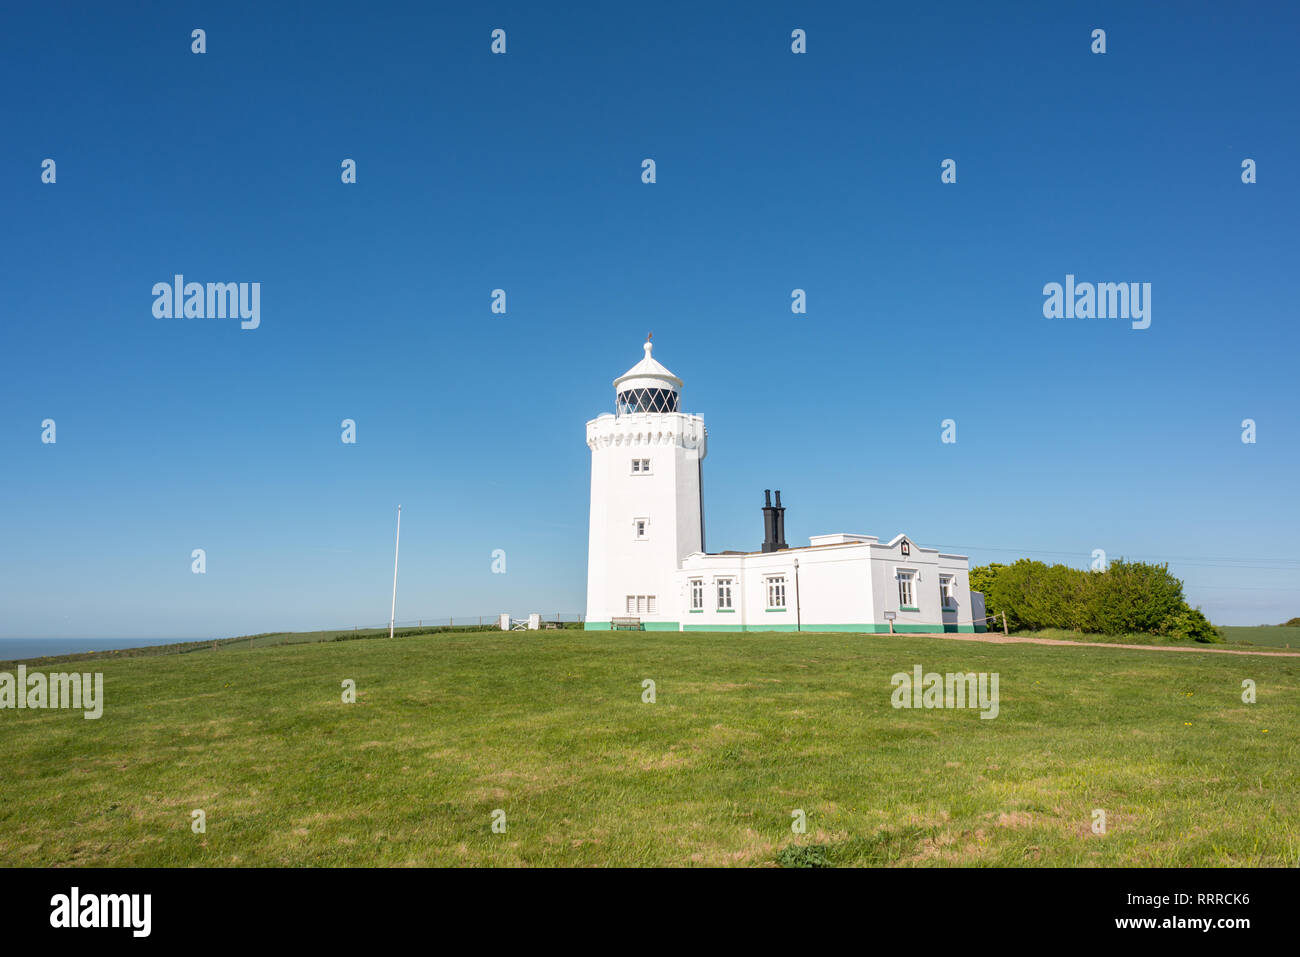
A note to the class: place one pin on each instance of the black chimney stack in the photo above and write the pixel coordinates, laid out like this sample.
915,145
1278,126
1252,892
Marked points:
773,523
769,522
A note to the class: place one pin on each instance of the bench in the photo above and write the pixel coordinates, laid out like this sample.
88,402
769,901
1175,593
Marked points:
625,624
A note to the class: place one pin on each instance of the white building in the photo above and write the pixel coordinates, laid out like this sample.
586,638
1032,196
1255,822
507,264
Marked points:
646,564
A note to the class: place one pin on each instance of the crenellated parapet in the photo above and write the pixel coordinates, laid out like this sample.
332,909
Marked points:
675,429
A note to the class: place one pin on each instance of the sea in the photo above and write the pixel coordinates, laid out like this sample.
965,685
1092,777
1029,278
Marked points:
15,649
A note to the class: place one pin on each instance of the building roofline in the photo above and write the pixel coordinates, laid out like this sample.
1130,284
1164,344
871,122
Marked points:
736,553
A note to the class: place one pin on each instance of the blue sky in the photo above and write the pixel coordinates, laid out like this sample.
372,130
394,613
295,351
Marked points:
775,171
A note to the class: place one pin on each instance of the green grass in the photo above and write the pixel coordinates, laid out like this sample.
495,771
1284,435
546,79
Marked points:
1235,636
263,640
550,727
1132,638
1275,636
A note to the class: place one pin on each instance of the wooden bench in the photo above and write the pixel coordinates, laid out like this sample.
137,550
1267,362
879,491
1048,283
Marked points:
625,624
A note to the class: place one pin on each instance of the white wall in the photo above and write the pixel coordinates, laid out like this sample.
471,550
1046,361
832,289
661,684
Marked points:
618,564
833,587
846,584
958,566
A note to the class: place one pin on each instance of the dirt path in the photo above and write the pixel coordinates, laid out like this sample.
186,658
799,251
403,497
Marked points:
996,639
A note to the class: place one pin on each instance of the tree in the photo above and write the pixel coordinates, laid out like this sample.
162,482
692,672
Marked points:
1128,597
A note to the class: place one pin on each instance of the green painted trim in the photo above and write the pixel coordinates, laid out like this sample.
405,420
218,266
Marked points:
645,626
908,608
857,629
778,609
696,611
732,628
726,611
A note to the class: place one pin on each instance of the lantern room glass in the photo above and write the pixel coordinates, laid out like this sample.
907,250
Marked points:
647,400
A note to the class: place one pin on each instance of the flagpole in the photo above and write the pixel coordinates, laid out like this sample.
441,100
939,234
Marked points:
392,615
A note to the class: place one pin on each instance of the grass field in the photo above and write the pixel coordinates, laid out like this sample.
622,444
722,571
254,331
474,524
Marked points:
1235,636
1274,636
550,727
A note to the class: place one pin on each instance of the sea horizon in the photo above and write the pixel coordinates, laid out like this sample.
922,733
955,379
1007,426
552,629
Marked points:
18,649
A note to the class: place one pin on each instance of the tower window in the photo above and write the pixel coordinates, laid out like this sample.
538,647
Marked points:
641,525
640,466
641,605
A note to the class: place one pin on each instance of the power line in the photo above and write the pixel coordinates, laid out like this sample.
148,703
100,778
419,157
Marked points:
1196,561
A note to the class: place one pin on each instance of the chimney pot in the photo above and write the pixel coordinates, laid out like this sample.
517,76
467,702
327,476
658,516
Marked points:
769,522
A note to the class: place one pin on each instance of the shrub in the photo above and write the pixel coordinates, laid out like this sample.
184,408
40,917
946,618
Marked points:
1191,623
803,855
981,580
1034,595
1131,597
1127,598
982,577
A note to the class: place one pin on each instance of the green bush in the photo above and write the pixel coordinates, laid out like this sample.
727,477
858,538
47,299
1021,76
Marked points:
803,855
1131,597
1126,598
981,578
1034,595
1191,623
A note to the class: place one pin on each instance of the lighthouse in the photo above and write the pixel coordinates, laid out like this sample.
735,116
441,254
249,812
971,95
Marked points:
647,568
646,511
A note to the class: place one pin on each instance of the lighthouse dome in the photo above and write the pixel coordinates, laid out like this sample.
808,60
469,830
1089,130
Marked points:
647,387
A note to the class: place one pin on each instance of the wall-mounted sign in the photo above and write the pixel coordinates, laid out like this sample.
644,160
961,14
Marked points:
890,615
906,547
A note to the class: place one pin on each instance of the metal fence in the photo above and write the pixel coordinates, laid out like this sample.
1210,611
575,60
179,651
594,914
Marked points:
467,621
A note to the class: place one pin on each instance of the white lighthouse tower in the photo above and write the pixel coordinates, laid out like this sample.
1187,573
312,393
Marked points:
646,509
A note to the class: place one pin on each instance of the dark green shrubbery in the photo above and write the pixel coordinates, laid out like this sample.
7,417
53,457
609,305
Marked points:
803,855
1191,623
1127,598
982,578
